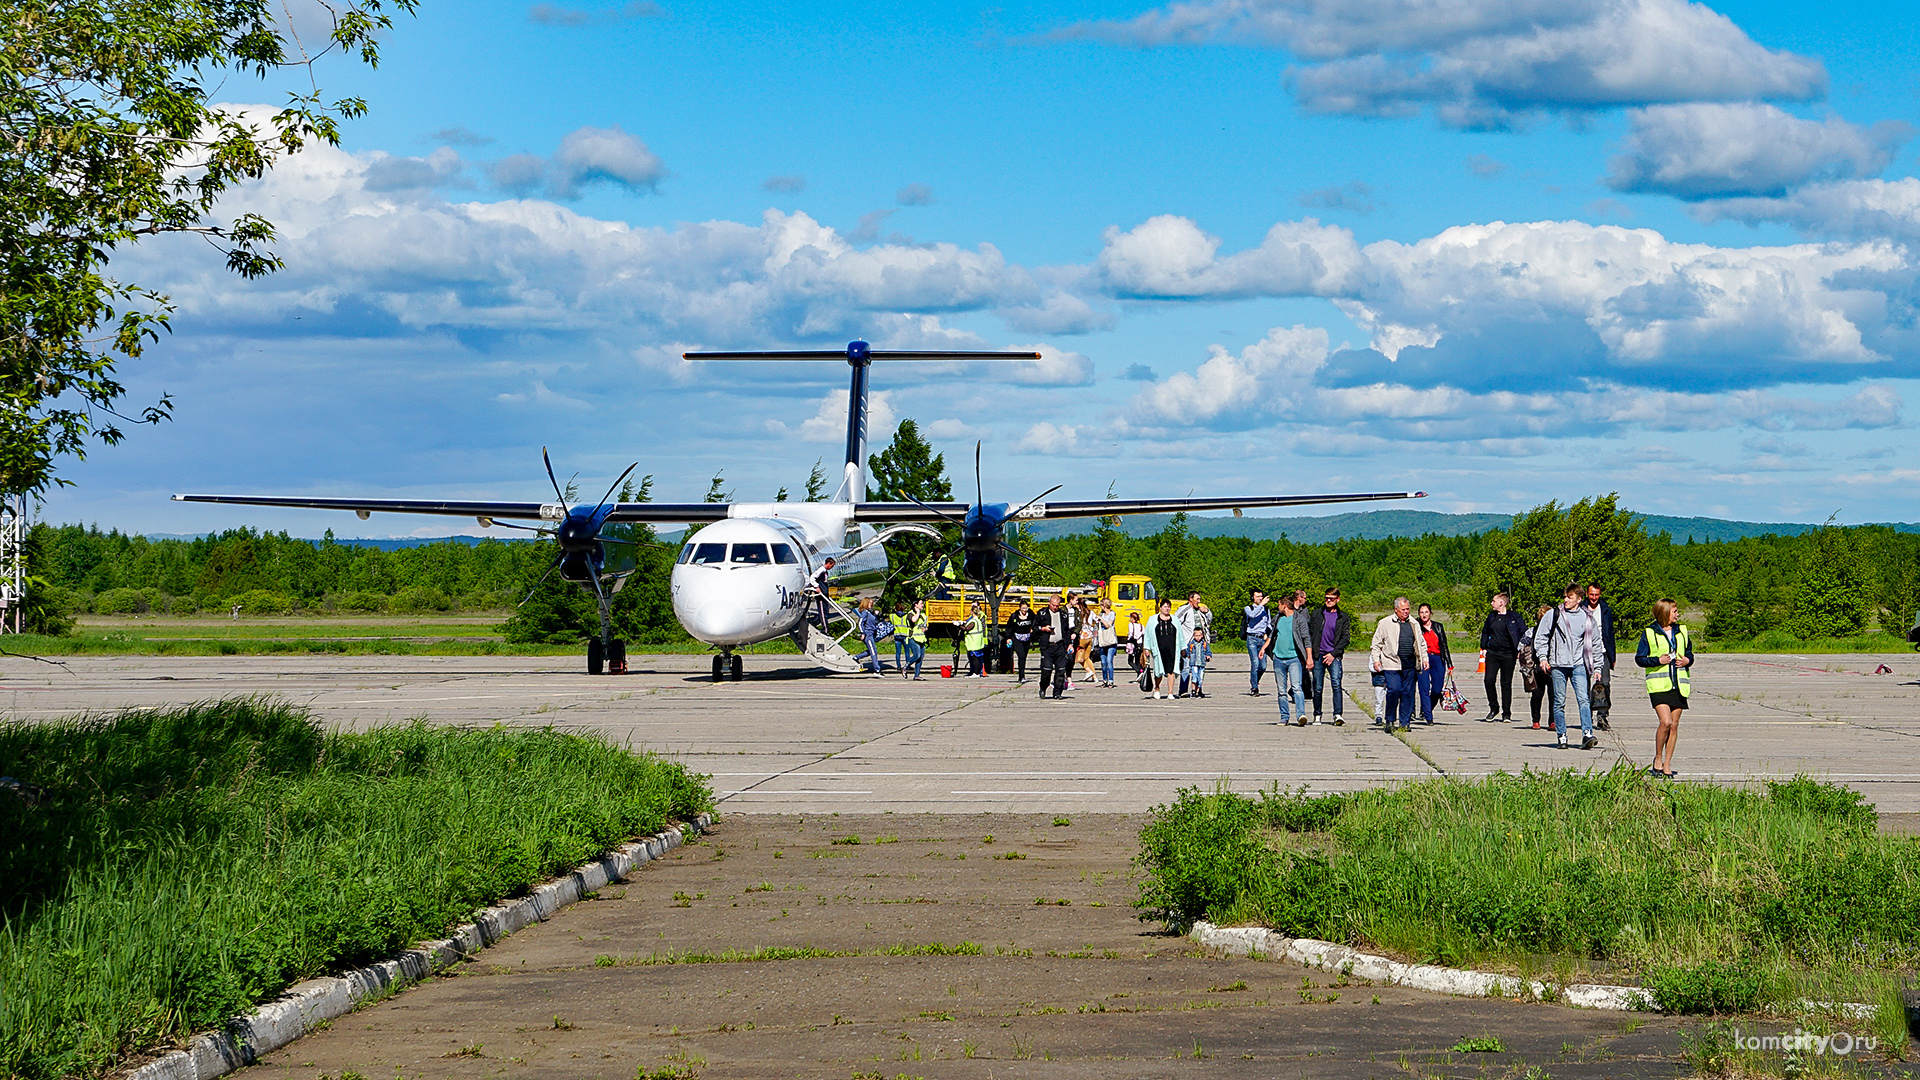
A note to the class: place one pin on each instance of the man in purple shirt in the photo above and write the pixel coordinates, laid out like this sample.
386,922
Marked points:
1329,631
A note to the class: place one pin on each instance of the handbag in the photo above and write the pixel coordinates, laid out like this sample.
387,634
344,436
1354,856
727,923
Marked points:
1452,698
1146,678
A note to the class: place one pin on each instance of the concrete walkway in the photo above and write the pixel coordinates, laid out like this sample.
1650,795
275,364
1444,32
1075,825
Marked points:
1043,971
787,741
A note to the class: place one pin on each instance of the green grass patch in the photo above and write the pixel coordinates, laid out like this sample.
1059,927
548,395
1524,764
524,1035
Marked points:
185,864
1717,899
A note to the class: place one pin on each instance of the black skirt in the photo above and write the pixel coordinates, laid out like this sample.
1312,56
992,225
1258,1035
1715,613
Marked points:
1672,699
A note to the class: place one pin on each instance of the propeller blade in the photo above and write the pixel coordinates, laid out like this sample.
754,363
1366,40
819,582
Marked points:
616,484
543,579
1035,499
979,488
1010,550
552,479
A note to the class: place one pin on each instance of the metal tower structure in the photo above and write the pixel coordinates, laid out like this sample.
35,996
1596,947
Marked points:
13,563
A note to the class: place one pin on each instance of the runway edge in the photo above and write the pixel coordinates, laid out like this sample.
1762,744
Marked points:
308,1004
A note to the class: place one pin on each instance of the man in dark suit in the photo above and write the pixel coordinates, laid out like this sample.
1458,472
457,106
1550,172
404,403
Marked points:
1054,629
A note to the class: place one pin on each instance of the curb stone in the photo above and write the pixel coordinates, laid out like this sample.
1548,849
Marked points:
1241,941
306,1005
1307,952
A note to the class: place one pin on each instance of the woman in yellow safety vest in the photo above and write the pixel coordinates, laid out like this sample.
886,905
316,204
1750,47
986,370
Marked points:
916,637
1666,654
975,642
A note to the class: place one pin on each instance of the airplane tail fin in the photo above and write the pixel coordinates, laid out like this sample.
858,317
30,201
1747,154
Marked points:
859,356
853,478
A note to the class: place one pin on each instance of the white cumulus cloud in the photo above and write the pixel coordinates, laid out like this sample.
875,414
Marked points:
1169,257
1487,65
1845,209
1600,300
1268,378
1701,151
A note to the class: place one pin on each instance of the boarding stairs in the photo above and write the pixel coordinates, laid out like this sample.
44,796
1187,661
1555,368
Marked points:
823,646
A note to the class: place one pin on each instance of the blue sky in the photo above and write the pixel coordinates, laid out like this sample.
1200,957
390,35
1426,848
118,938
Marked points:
1505,252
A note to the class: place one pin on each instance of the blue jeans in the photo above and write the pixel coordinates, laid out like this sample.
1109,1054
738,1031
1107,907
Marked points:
1432,682
1256,659
1401,687
916,652
1578,677
1327,665
1106,662
1194,670
1290,684
902,652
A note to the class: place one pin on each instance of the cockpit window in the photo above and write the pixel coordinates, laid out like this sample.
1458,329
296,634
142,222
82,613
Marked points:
751,554
685,554
784,555
709,554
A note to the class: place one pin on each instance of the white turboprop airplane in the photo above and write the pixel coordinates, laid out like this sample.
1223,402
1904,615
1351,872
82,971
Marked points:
745,576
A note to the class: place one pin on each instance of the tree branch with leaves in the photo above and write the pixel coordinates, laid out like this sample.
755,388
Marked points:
108,137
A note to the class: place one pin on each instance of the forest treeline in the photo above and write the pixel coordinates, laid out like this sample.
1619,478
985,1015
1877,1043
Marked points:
1833,582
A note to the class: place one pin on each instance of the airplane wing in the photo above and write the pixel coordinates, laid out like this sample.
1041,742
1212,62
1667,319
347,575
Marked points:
903,512
661,513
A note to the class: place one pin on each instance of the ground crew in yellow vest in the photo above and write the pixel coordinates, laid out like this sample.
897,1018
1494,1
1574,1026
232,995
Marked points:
902,623
975,642
916,639
1666,655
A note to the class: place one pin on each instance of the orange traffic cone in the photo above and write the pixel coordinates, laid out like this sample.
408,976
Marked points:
1483,663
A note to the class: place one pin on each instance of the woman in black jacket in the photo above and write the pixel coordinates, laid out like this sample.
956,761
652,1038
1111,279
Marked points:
1020,627
1501,636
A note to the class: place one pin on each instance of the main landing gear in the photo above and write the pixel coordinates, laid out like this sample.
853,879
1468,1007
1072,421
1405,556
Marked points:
726,665
609,656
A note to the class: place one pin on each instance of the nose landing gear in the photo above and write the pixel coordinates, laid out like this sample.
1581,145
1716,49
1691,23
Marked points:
728,666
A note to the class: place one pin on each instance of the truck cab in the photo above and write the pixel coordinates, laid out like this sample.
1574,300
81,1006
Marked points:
1132,594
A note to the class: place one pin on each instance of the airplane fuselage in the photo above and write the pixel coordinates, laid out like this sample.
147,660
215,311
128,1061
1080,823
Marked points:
743,580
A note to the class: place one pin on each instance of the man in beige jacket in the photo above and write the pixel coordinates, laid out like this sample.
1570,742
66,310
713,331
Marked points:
1400,653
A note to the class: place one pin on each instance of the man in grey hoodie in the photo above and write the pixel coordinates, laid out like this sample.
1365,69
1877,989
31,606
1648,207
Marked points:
1567,643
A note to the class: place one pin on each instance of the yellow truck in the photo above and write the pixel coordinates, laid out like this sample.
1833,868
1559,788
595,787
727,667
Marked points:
1130,593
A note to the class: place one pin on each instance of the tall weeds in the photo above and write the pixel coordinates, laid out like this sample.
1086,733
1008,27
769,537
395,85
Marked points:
1793,885
185,864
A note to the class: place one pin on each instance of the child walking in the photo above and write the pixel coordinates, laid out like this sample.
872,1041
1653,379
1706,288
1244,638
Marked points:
1198,653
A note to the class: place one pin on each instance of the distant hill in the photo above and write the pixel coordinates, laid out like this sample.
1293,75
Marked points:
390,543
1380,524
1364,525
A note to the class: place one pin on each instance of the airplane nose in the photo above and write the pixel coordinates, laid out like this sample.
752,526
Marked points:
719,619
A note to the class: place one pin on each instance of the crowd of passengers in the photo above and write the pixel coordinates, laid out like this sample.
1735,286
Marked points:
1565,655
